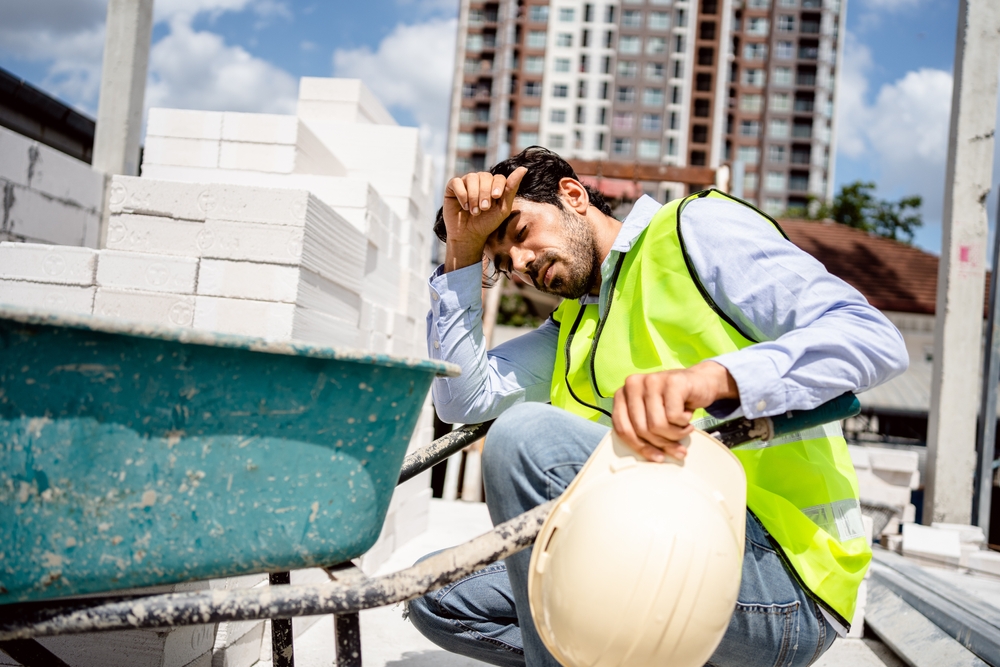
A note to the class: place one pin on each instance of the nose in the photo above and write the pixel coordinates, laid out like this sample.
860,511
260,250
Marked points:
520,258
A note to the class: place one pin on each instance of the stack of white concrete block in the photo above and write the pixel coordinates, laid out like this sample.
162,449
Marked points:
59,278
47,196
886,477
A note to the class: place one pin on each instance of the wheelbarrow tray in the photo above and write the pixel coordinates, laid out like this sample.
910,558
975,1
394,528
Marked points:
133,455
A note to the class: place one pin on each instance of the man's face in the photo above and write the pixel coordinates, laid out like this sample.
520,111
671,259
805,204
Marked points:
554,249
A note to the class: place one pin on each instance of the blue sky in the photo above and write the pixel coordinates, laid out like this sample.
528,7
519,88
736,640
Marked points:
247,55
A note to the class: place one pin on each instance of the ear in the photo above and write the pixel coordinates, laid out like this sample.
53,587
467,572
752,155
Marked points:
574,195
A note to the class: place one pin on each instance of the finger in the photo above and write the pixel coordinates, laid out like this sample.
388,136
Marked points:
656,414
623,427
674,399
670,446
472,187
456,189
485,191
513,183
499,182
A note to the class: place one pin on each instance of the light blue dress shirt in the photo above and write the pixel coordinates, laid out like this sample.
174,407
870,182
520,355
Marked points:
820,336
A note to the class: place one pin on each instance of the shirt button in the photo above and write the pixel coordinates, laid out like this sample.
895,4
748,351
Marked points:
761,404
434,296
437,345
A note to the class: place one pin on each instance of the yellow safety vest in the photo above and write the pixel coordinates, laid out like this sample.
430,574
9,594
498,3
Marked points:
802,487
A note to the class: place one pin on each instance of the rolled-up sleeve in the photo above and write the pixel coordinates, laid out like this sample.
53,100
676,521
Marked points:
491,381
818,336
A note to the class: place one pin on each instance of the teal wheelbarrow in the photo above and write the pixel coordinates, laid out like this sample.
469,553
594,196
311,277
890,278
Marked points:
134,456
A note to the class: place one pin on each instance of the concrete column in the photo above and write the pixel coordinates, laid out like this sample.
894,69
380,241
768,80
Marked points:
951,437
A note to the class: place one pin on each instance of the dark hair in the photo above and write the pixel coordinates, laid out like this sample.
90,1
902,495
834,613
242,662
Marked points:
540,184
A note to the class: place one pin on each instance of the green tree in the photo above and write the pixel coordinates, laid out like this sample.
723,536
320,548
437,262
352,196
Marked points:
856,206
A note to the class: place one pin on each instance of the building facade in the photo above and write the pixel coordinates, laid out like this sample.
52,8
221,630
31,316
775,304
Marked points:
700,83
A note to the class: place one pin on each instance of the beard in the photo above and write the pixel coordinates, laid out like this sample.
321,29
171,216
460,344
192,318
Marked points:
579,259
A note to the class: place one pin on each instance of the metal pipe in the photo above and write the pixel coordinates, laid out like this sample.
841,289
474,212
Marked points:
440,449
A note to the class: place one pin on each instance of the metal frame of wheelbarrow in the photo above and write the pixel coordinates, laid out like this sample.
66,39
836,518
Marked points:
349,591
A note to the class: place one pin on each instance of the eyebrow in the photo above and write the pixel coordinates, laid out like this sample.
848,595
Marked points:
501,233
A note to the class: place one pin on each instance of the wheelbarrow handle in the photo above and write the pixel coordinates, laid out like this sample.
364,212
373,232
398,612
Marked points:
741,431
440,449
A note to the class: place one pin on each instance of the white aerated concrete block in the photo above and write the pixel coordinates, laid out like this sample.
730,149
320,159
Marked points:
63,298
248,280
33,215
985,561
158,235
874,490
259,128
181,152
184,124
169,310
263,319
14,157
64,265
143,271
966,534
932,544
65,178
257,157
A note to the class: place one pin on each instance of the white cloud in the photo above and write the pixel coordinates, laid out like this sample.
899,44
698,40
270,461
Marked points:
411,70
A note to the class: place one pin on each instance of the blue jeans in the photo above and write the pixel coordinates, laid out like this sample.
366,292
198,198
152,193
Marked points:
532,453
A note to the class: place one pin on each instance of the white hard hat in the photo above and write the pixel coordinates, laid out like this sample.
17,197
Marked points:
639,563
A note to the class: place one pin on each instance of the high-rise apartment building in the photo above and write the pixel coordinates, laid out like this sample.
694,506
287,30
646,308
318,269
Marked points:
677,83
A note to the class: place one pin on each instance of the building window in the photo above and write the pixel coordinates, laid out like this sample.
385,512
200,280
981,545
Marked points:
786,24
706,55
748,154
581,89
626,94
750,128
681,18
701,108
585,38
609,39
649,149
629,44
632,18
567,14
775,153
588,13
697,158
536,39
609,14
533,89
557,115
656,45
622,121
538,13
750,181
699,134
782,76
474,43
562,64
774,206
464,140
581,115
654,71
785,50
560,90
652,97
706,30
679,44
759,4
599,141
534,64
751,102
776,181
652,122
556,141
468,90
678,69
606,65
602,116
786,3
530,115
584,63
798,182
781,102
564,39
525,139
605,90
627,69
671,146
621,146
758,26
778,128
659,21
754,51
675,95
753,77
674,120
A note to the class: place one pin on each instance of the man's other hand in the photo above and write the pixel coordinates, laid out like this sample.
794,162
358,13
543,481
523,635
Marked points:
652,412
474,206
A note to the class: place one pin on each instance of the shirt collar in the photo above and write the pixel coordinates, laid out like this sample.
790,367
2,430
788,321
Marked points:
635,222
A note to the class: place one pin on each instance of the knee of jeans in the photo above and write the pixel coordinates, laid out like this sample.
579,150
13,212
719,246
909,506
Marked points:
511,438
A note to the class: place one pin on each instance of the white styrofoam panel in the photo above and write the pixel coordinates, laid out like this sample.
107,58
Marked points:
145,271
246,317
14,158
325,329
985,561
36,216
160,235
169,310
184,124
314,157
63,298
58,175
181,152
64,265
260,128
370,147
257,157
248,280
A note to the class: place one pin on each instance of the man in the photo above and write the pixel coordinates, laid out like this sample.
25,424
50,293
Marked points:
702,303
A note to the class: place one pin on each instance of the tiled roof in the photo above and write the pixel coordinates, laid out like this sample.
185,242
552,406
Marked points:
891,275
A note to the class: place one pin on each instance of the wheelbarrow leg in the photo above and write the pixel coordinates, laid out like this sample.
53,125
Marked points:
282,649
347,628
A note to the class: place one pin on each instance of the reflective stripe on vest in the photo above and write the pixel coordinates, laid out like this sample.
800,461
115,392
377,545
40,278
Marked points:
802,487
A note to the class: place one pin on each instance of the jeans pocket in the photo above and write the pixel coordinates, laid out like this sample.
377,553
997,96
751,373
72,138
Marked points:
759,635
